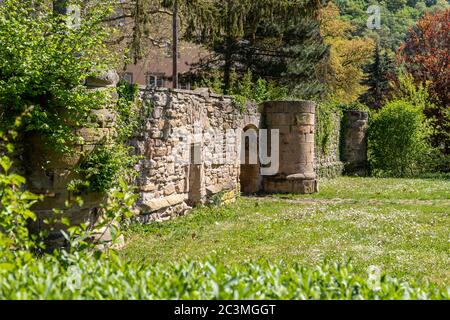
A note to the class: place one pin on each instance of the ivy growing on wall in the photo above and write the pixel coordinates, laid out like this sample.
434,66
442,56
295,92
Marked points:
326,125
114,158
43,65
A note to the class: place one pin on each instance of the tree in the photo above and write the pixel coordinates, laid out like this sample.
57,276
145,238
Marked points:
145,24
242,34
44,63
426,55
398,140
348,55
276,40
396,17
378,74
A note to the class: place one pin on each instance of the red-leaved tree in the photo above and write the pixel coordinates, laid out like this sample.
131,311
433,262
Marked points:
426,55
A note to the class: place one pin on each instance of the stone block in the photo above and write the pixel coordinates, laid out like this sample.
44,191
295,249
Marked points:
52,201
278,119
305,119
161,203
103,117
303,129
169,190
90,135
149,187
107,79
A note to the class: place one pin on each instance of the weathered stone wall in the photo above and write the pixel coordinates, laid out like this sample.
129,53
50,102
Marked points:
49,172
354,143
328,162
184,162
295,121
190,148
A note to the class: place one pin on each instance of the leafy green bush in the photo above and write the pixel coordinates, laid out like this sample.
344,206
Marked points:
44,63
246,89
129,117
103,167
418,95
15,204
326,125
113,159
81,278
399,140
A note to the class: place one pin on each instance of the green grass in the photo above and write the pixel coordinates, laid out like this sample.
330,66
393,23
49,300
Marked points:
87,278
400,225
381,189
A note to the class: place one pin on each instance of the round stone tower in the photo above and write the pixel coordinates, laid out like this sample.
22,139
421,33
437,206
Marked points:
354,146
295,121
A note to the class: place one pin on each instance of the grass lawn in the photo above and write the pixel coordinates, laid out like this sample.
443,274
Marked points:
400,225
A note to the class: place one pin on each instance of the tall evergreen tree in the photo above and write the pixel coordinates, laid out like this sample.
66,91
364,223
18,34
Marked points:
378,75
276,40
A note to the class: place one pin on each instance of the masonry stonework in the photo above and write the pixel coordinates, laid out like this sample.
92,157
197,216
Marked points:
49,172
328,162
197,127
354,142
295,121
190,147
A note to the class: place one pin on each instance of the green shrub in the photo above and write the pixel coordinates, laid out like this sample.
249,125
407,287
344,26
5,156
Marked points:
82,278
43,65
355,106
246,89
439,117
128,115
399,140
104,165
15,203
326,125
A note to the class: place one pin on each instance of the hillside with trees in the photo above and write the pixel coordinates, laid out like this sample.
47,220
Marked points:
397,16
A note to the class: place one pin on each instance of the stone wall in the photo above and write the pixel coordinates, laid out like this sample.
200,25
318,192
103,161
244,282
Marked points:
184,162
354,142
328,164
49,172
295,121
190,147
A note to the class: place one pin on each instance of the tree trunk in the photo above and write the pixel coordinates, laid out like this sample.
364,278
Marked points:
175,45
228,65
228,54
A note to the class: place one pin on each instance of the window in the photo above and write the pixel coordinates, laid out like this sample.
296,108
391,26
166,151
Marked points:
185,86
128,77
155,80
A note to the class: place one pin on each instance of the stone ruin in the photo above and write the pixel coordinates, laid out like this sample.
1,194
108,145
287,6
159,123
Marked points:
200,128
195,148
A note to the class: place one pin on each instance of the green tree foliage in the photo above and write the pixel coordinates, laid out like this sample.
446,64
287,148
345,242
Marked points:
399,140
44,63
328,116
348,54
246,89
396,17
197,17
378,76
425,54
15,203
275,40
